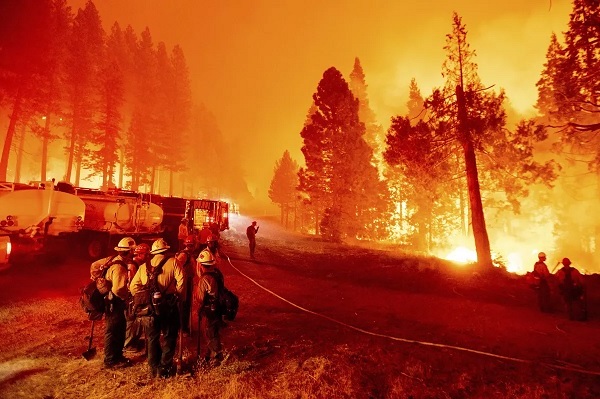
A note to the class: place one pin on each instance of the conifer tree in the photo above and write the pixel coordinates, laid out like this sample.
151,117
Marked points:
86,48
282,190
416,102
338,160
141,141
476,113
374,131
25,34
105,139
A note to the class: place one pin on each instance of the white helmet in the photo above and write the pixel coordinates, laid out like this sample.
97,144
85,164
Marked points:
126,244
159,246
206,258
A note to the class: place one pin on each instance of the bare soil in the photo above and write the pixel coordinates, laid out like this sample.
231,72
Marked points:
318,320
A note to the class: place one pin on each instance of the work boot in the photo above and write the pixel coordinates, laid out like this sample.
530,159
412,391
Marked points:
121,363
165,371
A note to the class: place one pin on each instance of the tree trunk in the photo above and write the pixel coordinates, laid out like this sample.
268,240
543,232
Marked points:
9,136
482,243
152,179
78,170
45,140
121,163
20,153
71,153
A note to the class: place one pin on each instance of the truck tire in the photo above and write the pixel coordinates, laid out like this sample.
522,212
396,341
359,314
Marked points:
96,247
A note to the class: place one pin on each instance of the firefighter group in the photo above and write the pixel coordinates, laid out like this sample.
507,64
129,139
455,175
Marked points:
149,304
567,282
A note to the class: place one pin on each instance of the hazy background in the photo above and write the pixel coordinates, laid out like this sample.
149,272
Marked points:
256,63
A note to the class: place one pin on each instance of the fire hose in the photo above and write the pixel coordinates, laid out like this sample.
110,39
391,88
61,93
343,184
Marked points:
423,343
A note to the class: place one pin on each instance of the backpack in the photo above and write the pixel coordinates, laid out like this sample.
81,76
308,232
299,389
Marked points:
142,304
227,302
92,298
569,289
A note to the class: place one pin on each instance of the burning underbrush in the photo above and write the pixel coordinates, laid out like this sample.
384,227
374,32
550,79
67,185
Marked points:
316,320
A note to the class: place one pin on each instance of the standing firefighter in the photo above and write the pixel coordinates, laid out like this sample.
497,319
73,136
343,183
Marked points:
141,255
570,283
541,275
115,284
251,234
209,312
158,285
182,234
185,258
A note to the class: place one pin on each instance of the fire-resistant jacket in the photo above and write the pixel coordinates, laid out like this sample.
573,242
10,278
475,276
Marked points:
186,260
208,284
576,276
541,269
116,274
171,280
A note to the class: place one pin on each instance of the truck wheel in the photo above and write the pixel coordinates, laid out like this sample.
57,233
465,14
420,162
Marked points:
96,248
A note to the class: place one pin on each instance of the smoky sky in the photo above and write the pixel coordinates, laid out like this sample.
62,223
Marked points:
256,63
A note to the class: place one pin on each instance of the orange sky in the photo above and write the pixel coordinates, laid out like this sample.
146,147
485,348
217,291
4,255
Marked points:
256,63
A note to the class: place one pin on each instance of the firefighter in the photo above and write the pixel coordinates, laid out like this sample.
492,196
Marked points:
134,330
541,274
182,234
203,235
186,259
251,234
209,312
170,285
115,321
572,289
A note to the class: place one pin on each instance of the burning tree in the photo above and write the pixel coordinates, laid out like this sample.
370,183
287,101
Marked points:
469,119
569,101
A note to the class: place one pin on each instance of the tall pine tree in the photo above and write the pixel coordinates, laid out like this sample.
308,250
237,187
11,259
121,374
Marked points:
338,160
282,190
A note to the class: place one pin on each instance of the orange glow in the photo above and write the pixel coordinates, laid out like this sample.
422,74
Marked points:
256,64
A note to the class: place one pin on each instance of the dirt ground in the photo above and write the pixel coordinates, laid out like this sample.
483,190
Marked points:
318,320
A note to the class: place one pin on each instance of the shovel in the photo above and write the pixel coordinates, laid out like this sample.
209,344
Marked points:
90,352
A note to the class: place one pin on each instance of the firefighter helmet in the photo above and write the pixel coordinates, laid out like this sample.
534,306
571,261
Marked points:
566,261
541,255
159,246
126,244
206,258
190,240
210,238
142,249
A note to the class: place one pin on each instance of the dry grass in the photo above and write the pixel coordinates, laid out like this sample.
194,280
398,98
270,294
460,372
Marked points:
276,351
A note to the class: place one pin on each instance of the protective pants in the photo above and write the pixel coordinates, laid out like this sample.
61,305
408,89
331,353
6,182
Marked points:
114,333
160,357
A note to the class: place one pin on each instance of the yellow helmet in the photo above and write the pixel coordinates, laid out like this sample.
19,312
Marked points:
159,246
206,258
126,244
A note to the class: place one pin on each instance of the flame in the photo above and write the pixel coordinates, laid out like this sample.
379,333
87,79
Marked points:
513,262
462,255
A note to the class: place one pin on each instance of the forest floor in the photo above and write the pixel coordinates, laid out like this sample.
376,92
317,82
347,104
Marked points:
317,320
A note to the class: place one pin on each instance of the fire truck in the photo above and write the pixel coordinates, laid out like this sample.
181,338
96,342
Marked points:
43,216
114,214
195,212
35,216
